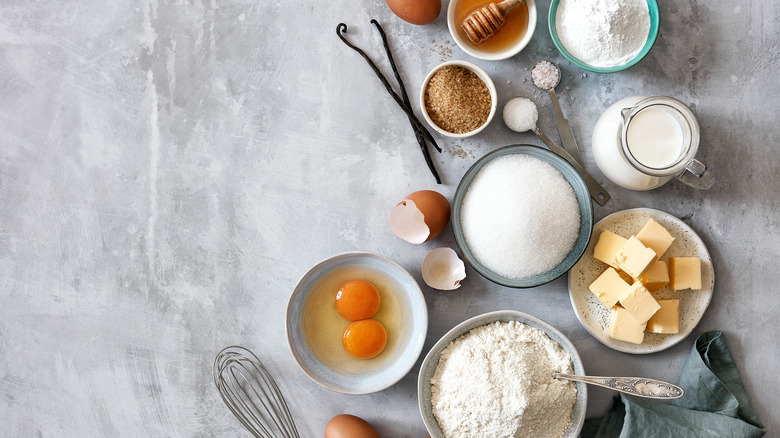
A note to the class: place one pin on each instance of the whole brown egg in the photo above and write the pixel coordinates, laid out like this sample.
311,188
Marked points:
415,11
349,426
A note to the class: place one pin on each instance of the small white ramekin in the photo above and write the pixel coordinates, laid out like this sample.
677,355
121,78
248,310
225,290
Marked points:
491,56
480,74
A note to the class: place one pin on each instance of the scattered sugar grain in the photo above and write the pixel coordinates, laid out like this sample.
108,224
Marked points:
520,216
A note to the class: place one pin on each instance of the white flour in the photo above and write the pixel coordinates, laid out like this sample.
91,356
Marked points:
497,381
603,33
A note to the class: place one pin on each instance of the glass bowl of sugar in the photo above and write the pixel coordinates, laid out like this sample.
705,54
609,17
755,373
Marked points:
522,216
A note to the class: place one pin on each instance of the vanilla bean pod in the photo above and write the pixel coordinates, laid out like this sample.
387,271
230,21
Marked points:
405,97
341,27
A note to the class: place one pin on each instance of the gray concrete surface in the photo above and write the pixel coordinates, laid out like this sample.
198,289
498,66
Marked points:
169,169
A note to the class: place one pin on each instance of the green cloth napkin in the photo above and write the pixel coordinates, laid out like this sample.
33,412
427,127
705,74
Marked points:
715,403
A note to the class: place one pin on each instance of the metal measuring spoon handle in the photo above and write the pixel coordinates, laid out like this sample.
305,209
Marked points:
598,193
564,128
638,386
561,122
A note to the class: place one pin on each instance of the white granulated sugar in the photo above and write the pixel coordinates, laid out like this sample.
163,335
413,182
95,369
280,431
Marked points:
520,216
603,33
498,381
520,114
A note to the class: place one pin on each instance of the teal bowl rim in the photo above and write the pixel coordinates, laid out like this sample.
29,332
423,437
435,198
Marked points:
580,191
655,20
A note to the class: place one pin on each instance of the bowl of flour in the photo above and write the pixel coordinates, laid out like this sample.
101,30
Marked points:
493,376
604,36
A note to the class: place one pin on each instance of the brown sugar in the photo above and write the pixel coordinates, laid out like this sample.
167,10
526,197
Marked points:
457,100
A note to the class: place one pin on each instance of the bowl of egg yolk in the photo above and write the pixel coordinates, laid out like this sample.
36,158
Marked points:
356,322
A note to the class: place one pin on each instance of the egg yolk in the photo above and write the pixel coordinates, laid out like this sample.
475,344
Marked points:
364,339
357,299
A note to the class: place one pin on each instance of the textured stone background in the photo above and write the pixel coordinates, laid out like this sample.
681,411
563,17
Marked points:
169,169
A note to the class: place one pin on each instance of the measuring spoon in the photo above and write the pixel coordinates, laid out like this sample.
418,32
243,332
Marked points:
514,121
546,75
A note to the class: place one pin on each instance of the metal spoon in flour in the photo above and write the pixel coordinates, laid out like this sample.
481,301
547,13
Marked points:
546,75
638,386
521,114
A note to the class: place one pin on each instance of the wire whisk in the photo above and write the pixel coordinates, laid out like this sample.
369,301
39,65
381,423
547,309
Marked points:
251,393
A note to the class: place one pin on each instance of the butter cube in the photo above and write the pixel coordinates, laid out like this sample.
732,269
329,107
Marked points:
656,276
627,278
654,236
639,302
685,273
608,287
625,327
608,245
667,319
633,257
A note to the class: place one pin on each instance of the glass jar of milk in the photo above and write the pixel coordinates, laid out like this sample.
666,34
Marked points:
641,143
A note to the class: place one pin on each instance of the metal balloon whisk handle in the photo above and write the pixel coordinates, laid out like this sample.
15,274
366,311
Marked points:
251,393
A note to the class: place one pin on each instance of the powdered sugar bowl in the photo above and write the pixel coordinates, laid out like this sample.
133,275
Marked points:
641,143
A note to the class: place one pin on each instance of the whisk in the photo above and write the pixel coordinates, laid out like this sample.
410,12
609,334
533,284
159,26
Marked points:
250,392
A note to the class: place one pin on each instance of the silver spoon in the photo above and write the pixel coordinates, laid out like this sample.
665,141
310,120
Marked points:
546,75
524,104
638,386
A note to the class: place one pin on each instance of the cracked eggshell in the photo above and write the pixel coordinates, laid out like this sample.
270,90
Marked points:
420,217
442,269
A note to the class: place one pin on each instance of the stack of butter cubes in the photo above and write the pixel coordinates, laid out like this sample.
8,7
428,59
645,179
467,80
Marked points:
635,272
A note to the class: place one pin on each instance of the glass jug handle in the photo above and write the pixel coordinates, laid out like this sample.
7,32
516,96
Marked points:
697,175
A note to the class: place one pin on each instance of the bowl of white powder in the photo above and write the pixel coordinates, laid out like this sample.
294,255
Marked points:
522,216
493,376
604,36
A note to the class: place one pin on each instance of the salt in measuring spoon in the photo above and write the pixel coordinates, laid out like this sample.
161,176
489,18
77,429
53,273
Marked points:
546,75
521,114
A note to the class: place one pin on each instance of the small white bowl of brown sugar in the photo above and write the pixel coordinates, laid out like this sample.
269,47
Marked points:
458,99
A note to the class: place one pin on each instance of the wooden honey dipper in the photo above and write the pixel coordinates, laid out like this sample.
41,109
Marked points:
485,21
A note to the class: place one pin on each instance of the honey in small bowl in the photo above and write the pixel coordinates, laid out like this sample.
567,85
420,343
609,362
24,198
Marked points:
509,34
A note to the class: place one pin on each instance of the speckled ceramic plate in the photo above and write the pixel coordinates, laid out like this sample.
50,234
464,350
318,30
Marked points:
595,316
